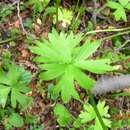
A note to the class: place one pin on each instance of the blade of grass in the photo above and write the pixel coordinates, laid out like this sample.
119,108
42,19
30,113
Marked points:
57,6
122,94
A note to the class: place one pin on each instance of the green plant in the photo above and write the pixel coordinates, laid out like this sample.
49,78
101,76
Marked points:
12,119
116,57
120,7
49,10
5,10
121,124
15,120
64,117
65,16
39,5
76,21
39,127
14,82
89,115
64,59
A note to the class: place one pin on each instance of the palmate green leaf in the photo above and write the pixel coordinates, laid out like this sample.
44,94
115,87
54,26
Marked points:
89,115
16,87
64,117
63,58
96,66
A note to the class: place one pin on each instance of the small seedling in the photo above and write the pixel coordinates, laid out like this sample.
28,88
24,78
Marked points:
14,82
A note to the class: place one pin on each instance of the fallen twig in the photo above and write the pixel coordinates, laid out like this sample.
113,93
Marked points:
20,18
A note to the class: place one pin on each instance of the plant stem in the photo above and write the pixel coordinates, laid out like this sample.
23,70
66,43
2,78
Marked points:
75,20
120,94
108,30
57,6
73,25
7,40
124,44
77,5
115,35
94,15
101,8
96,110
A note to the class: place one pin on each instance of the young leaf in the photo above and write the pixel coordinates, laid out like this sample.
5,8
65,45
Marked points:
120,7
64,15
16,120
63,115
89,115
120,14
